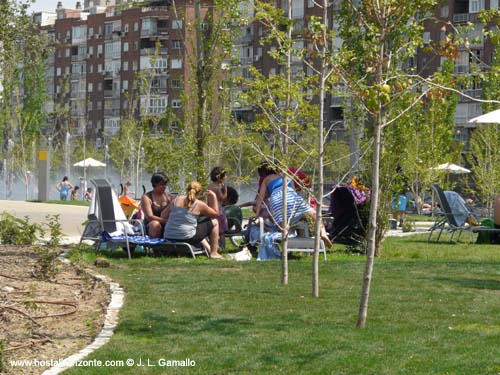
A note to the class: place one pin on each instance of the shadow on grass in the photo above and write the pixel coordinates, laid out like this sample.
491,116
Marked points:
489,284
161,325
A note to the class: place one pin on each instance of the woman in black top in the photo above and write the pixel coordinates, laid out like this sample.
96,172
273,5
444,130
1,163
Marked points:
153,203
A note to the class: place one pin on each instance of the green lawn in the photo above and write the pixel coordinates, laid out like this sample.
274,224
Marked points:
433,310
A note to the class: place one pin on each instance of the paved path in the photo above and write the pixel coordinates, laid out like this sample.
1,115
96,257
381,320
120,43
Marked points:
70,217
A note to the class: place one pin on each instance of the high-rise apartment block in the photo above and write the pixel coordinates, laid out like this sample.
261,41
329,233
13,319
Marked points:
99,48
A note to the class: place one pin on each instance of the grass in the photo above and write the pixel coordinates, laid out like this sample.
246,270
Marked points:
433,310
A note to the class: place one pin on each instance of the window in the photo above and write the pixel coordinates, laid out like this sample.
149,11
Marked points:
149,26
99,68
125,47
134,65
91,32
136,45
297,9
125,65
90,87
310,3
445,11
91,68
176,63
99,49
91,51
476,5
175,83
125,85
66,70
176,103
176,44
99,86
426,37
68,52
58,72
125,28
177,24
493,4
136,26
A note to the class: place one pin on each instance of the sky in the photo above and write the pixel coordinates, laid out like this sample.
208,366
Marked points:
50,5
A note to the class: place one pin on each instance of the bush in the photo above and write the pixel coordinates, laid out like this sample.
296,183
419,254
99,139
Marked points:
17,231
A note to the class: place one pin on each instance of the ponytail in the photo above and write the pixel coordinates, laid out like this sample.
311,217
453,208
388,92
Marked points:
192,191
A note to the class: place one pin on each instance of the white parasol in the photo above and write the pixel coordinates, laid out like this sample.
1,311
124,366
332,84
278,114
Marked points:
89,162
492,117
451,168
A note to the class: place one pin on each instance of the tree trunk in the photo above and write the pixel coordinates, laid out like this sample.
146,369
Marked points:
377,120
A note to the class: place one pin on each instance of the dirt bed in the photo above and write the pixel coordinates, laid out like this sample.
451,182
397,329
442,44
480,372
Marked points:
45,320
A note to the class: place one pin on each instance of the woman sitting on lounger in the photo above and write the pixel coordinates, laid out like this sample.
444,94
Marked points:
153,203
183,222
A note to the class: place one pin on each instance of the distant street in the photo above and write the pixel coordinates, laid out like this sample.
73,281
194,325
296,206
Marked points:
70,217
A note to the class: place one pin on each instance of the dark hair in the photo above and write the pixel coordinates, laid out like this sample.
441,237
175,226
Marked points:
217,173
158,178
65,178
265,169
232,195
77,187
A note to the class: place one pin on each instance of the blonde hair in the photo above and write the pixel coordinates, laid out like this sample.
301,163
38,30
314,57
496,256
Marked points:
192,191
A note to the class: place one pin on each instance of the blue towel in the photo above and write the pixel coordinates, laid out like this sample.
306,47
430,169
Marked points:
138,240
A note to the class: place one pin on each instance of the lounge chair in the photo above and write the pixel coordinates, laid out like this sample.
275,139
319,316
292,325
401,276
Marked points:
447,218
106,215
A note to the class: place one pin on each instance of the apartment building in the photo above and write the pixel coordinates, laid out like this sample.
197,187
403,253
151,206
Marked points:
99,49
452,16
98,52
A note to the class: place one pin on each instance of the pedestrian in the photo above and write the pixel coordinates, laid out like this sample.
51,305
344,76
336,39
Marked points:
64,187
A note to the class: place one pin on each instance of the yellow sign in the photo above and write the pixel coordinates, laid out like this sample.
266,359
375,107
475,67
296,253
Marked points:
42,155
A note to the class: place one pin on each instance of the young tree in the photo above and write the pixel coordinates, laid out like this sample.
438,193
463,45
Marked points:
378,38
280,99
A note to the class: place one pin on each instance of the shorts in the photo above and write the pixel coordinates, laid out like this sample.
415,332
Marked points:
203,229
399,204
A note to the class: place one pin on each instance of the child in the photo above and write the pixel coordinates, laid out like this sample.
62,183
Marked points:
74,193
233,213
218,186
88,195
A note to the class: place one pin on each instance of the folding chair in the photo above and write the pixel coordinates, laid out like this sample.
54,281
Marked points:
447,219
106,215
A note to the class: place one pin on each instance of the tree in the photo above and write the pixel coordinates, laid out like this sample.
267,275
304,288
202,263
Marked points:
205,54
378,38
23,90
280,100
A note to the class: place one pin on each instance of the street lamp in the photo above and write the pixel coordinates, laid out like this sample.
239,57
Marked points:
106,159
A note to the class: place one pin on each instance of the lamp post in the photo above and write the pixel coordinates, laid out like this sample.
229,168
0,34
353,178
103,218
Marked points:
106,159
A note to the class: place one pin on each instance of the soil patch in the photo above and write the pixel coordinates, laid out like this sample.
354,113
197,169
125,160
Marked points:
45,320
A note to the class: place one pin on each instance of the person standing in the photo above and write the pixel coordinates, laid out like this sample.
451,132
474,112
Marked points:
64,187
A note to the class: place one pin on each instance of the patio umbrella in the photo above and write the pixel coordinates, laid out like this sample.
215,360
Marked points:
451,168
492,117
89,162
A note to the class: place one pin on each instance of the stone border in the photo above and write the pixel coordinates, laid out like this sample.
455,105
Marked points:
110,323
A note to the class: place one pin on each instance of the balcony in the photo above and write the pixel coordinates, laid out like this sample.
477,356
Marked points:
246,60
461,69
154,9
151,51
113,112
461,18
